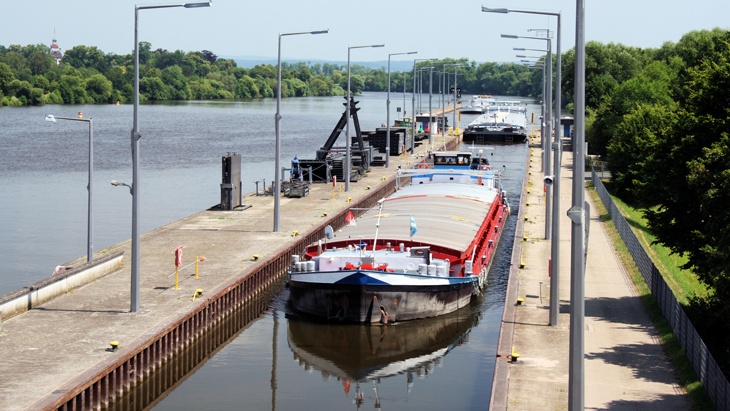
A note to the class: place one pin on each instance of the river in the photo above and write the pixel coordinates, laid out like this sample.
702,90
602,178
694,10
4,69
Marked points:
274,361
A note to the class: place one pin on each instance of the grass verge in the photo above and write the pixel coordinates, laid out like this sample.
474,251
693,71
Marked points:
672,349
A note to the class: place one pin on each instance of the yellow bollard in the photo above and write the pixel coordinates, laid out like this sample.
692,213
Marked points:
177,278
324,214
349,199
114,345
197,294
514,356
255,257
295,233
197,260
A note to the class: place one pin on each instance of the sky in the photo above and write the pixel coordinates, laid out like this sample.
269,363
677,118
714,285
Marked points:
435,29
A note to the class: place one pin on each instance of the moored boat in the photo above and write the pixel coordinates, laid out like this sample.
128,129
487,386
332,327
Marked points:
503,122
478,104
424,251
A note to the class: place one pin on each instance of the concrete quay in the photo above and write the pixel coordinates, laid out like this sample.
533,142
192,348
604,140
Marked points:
625,367
52,350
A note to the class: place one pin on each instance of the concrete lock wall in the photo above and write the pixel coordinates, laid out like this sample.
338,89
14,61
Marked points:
42,291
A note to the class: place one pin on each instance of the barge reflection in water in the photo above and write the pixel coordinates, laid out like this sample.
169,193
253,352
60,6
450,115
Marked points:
358,353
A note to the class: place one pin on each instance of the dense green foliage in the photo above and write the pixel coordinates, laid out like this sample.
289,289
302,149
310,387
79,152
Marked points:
665,130
86,75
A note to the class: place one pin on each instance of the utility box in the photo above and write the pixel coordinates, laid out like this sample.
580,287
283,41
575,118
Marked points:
231,183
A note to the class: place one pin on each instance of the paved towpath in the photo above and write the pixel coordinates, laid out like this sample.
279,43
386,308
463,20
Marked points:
625,367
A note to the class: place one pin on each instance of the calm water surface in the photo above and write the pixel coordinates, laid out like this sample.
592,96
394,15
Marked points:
275,361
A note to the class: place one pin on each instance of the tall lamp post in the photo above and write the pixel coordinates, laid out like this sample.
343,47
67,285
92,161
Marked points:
456,74
413,106
578,215
348,155
90,209
135,149
445,72
277,119
558,148
387,116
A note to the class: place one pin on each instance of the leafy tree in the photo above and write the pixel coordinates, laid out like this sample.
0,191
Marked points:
152,88
177,83
319,87
6,76
99,89
297,88
72,89
209,56
167,59
357,84
653,85
86,57
41,83
689,180
193,65
263,71
227,82
18,64
40,62
634,145
20,89
246,88
265,88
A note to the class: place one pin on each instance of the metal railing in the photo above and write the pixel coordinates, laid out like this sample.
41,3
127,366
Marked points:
715,383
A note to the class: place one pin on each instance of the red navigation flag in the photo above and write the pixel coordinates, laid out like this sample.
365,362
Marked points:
350,218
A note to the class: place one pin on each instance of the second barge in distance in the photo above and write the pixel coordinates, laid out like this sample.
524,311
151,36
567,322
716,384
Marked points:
424,251
503,122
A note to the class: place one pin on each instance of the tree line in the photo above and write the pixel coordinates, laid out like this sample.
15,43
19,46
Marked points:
29,75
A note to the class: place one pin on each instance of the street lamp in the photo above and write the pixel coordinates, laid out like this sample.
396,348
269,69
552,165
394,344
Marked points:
548,131
277,119
90,209
580,219
413,106
348,155
387,116
134,189
455,66
558,148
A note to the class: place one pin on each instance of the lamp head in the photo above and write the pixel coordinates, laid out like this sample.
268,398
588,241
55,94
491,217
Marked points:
196,5
495,10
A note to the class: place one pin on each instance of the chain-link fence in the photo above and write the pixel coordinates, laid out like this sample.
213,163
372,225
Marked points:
715,382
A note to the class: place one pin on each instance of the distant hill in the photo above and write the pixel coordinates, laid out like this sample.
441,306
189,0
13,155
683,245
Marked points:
252,61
